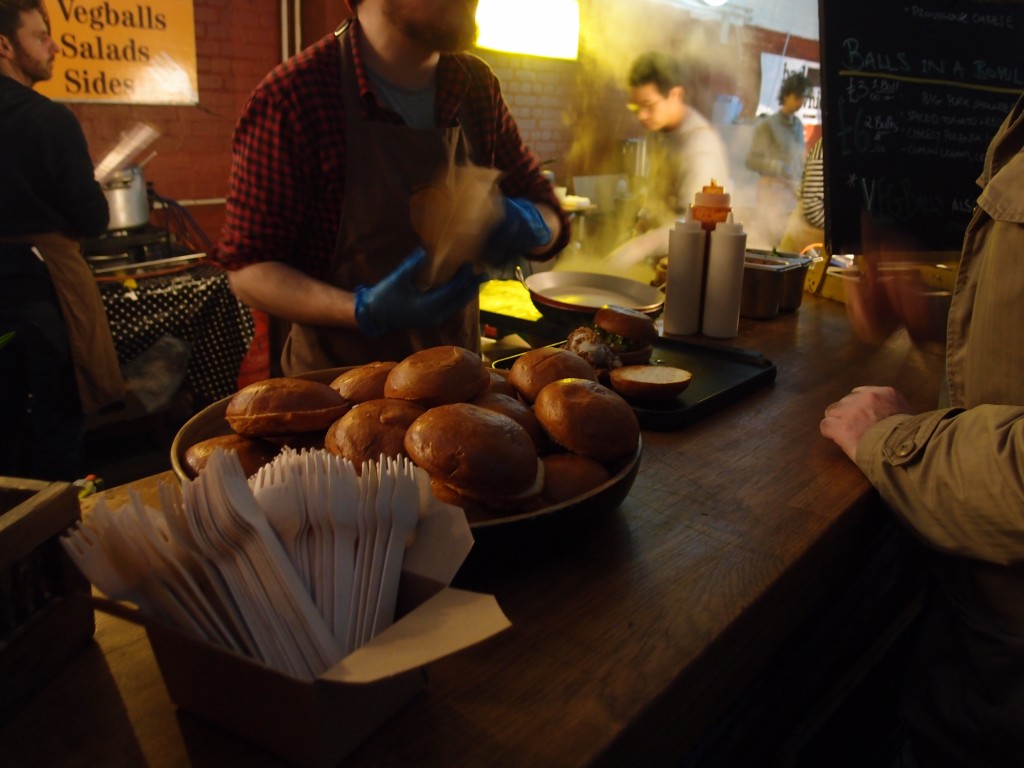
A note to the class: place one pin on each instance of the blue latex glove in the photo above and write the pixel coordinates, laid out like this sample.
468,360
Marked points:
521,230
395,303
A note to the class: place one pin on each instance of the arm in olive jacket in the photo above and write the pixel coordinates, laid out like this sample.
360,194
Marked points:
955,476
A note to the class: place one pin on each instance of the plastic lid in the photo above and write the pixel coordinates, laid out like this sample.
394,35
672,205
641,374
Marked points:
712,196
684,224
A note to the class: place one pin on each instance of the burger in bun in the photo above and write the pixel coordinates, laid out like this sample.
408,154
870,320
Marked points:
479,453
365,382
438,376
629,333
252,453
590,344
588,418
284,406
534,370
649,382
372,429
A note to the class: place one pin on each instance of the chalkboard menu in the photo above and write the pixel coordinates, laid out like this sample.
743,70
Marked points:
912,93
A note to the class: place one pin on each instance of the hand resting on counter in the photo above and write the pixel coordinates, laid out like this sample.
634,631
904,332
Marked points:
846,421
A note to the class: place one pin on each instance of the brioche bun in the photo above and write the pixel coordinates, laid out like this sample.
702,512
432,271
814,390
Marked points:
534,370
569,475
516,409
630,333
366,382
309,440
284,406
252,452
371,429
649,382
588,418
438,376
475,450
494,507
627,323
499,383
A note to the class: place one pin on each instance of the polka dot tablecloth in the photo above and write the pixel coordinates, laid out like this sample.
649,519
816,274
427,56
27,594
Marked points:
195,305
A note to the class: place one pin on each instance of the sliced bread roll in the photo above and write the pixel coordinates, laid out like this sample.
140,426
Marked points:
649,382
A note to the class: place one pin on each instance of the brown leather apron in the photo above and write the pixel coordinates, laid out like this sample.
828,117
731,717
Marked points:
386,163
97,370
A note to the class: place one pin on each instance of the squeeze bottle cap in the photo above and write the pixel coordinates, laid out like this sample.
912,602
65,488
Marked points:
687,225
730,227
712,196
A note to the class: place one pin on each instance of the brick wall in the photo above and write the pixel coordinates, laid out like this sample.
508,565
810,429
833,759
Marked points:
235,48
570,113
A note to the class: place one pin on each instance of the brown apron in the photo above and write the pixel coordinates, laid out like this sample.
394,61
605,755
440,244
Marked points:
97,370
386,163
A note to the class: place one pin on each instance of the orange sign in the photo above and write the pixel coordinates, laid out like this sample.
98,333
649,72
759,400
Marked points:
123,52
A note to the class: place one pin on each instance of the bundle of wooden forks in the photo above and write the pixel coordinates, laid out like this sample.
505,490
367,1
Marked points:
296,567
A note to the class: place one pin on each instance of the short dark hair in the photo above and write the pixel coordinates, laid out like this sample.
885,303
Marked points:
658,68
797,83
10,15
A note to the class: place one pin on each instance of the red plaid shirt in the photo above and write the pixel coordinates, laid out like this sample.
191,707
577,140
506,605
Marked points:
289,154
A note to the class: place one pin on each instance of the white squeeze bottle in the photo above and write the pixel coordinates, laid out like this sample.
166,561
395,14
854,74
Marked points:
684,278
724,281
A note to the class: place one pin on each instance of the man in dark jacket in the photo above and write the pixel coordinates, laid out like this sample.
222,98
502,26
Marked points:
48,199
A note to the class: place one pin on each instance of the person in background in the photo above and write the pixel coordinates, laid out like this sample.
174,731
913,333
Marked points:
684,153
325,157
777,154
61,353
806,225
953,477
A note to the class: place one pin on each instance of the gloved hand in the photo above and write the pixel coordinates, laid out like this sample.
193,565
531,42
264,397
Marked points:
396,303
521,229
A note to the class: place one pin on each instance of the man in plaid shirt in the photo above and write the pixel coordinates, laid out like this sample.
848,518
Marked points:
326,156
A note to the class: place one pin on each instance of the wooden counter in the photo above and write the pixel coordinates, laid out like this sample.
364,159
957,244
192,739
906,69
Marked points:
626,645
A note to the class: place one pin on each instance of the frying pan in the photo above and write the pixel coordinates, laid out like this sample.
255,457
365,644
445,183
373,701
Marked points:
573,297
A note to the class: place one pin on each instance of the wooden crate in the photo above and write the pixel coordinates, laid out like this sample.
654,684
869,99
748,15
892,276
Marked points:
46,616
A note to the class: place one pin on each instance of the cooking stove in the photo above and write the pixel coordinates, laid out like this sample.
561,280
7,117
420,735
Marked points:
130,246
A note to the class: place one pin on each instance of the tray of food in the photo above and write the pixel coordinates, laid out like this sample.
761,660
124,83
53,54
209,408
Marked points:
668,383
512,460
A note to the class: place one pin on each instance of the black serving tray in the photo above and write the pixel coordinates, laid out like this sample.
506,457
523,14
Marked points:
721,375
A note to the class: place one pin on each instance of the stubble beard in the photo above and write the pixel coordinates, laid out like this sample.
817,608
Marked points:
455,31
36,70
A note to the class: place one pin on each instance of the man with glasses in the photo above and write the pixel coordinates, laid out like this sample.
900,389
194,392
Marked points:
684,153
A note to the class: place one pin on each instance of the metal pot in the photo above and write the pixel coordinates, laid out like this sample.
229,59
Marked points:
126,196
574,297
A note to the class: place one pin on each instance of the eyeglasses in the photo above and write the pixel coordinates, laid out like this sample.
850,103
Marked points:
645,106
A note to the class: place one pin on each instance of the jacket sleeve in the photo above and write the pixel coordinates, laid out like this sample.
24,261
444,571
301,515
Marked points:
812,189
77,196
522,172
956,477
763,156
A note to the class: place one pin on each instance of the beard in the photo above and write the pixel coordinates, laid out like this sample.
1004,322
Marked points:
448,31
35,69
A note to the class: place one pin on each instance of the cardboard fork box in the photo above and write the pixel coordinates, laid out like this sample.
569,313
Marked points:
318,723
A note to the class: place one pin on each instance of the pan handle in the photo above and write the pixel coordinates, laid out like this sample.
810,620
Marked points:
520,278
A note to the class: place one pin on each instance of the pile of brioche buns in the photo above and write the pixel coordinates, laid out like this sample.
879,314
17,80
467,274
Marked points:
495,443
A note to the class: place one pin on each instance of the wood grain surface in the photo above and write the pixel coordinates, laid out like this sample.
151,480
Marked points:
631,634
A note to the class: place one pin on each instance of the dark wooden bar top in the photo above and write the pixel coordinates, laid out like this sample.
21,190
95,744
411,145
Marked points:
629,640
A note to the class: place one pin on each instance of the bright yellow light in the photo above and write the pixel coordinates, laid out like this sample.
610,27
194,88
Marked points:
512,26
